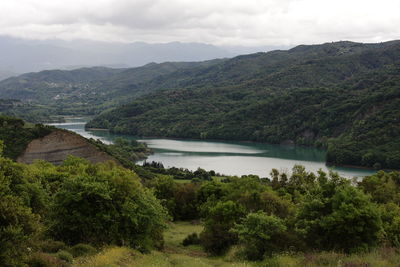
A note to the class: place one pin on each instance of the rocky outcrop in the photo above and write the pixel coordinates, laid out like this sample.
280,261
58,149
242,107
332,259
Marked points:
56,146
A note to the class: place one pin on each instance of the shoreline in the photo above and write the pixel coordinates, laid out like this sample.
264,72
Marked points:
97,129
290,146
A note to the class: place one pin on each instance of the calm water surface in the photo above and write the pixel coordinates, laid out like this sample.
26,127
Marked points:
231,158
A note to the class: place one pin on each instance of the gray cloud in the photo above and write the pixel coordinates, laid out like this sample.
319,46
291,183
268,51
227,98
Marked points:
221,22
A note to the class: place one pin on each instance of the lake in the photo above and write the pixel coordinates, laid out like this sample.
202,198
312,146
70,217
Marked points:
230,158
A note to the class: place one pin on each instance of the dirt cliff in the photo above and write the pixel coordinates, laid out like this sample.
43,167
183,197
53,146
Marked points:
56,146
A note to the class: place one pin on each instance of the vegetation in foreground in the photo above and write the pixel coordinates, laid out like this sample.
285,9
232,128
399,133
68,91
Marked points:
175,254
81,213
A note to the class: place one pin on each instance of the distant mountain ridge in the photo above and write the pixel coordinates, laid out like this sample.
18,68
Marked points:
22,55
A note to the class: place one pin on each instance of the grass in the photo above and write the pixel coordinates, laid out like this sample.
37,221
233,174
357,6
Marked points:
175,254
177,231
182,181
109,257
381,257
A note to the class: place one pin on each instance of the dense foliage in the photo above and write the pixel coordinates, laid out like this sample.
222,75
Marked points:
76,202
18,225
342,96
106,205
259,233
16,135
54,209
302,211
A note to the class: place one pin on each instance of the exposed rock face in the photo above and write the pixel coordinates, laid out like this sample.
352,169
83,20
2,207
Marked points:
56,146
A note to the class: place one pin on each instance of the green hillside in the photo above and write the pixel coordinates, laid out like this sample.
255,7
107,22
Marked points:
343,96
85,90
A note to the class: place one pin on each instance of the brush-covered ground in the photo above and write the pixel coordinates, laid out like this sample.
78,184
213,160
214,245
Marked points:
175,254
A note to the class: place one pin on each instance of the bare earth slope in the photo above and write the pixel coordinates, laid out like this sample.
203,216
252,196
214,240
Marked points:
56,146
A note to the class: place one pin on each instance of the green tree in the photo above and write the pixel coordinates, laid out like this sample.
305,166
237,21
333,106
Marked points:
18,225
216,236
390,213
104,203
259,234
346,220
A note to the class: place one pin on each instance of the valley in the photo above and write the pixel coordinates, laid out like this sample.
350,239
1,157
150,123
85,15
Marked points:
342,97
217,163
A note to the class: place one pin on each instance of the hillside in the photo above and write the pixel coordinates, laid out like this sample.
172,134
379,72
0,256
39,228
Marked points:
26,143
343,96
85,90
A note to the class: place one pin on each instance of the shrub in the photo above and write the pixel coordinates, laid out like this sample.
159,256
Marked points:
259,234
346,220
43,260
51,246
106,204
216,236
65,256
82,250
192,239
18,225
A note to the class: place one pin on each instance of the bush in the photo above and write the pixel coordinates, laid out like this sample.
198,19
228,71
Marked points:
192,239
51,246
259,234
346,221
216,236
106,204
18,226
43,260
65,256
82,250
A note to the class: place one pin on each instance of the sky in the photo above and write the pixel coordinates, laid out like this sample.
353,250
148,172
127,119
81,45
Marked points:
218,22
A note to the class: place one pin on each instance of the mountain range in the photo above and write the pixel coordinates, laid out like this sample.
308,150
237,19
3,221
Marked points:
22,55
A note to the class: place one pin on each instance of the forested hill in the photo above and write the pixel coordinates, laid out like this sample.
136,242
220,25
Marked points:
86,90
344,96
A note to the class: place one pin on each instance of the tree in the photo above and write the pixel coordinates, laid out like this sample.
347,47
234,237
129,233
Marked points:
18,225
106,204
216,236
346,220
259,234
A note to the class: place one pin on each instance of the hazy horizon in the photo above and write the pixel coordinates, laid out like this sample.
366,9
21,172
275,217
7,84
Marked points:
221,23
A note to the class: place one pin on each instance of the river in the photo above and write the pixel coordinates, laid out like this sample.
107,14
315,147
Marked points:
230,158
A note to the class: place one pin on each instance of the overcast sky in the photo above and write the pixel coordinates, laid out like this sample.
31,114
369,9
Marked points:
219,22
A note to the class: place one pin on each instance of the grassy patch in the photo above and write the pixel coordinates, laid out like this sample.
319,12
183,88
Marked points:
382,257
177,232
109,257
175,254
182,181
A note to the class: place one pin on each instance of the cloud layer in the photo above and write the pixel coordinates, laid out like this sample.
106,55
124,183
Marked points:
220,22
